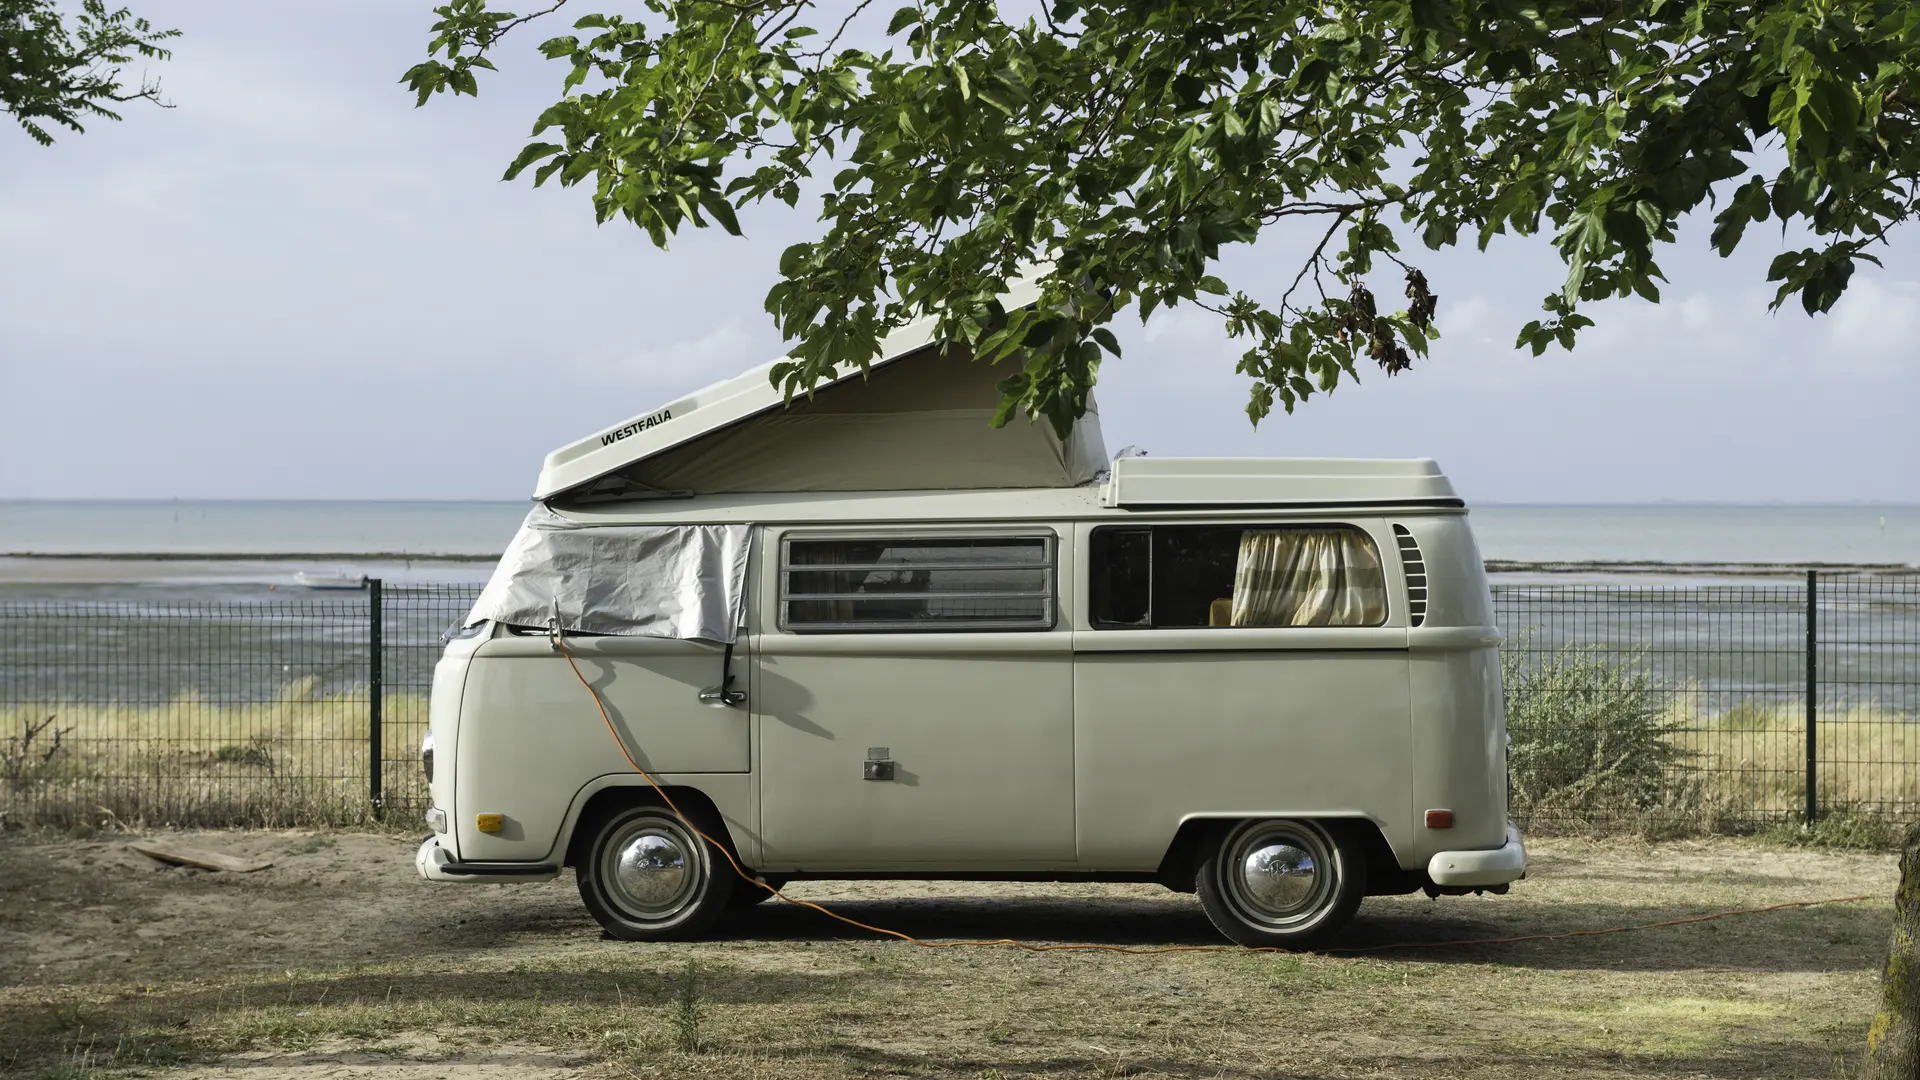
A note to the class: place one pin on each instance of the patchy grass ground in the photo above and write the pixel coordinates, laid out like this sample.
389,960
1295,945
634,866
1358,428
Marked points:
339,962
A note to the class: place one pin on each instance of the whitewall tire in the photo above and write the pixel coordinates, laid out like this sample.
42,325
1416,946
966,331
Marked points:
646,876
1280,883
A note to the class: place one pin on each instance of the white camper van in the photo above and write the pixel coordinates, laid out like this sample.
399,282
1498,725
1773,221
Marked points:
869,636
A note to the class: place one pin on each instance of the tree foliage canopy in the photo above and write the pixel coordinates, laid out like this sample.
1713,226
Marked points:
1123,145
50,72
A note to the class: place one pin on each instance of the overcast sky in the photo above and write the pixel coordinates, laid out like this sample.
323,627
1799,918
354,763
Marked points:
296,285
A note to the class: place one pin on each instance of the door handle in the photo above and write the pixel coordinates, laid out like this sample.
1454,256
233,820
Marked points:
723,695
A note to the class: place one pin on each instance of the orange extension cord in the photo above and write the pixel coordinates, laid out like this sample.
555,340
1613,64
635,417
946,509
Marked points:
1132,950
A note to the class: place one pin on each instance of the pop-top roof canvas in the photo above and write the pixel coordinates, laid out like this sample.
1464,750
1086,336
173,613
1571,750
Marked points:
918,419
922,422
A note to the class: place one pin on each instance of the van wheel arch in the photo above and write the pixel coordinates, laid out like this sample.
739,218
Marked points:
1196,836
607,802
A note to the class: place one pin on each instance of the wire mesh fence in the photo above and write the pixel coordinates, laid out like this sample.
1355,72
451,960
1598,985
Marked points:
1683,705
255,713
1692,706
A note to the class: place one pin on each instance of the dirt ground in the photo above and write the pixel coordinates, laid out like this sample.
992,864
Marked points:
339,962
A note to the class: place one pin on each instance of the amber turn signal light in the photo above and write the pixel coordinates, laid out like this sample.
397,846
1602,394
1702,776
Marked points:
1439,819
496,822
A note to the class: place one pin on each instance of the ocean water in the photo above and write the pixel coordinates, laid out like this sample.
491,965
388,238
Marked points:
150,601
1701,534
175,527
328,533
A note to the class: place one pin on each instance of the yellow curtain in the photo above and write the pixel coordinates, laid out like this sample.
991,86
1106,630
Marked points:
1308,577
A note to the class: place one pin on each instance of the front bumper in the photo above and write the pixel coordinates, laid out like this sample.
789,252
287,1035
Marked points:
1493,866
436,863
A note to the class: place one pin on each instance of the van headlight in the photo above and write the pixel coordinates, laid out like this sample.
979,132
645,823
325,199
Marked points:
426,756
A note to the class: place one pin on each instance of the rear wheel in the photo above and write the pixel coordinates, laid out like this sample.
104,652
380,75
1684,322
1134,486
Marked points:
648,877
1281,883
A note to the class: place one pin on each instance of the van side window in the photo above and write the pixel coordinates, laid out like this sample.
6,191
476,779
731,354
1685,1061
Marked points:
1187,576
917,583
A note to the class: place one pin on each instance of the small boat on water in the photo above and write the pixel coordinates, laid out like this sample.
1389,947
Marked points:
313,580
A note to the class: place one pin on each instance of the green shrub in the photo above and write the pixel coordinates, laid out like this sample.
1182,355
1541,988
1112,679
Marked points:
1593,742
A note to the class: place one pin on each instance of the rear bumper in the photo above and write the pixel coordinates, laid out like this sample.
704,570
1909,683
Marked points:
1492,866
436,863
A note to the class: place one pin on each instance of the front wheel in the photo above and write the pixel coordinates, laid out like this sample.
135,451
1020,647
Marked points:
648,877
1281,884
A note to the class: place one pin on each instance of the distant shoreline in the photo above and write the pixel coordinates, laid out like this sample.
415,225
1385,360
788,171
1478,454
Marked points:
1718,569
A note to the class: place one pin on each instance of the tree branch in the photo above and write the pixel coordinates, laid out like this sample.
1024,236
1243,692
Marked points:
496,33
826,49
1313,260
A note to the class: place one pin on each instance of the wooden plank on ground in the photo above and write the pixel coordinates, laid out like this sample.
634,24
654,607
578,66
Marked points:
187,856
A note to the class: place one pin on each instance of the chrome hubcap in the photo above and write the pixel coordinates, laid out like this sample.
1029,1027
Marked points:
652,868
1279,874
1280,877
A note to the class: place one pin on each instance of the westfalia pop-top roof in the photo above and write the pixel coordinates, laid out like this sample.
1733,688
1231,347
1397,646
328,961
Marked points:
918,424
919,420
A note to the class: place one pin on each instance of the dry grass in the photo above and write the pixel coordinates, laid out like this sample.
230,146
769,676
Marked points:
299,759
1752,759
118,965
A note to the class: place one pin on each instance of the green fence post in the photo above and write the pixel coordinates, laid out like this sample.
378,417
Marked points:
1813,692
375,690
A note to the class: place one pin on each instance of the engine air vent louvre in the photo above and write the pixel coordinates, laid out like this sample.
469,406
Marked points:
1416,575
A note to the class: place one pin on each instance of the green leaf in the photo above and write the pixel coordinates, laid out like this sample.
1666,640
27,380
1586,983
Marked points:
1749,203
553,116
997,96
1041,331
794,259
716,204
529,154
903,18
1439,233
425,79
1013,393
1107,341
1434,15
1272,117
